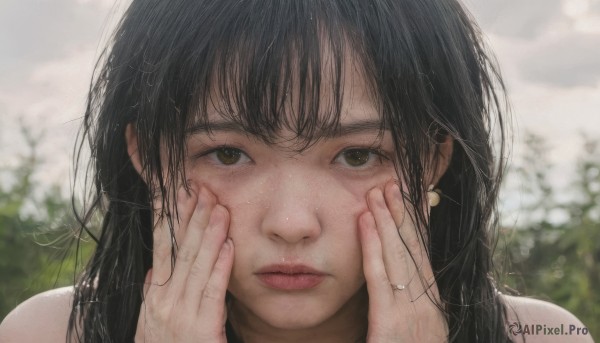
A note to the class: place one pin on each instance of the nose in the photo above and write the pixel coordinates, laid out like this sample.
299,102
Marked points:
292,214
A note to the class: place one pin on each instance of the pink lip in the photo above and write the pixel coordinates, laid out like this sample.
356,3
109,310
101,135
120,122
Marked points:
290,276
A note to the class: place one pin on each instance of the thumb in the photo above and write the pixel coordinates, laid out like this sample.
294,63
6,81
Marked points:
141,324
147,282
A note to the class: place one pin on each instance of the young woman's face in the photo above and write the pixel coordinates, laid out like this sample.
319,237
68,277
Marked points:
293,216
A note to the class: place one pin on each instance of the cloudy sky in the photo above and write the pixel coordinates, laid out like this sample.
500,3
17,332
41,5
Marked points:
549,52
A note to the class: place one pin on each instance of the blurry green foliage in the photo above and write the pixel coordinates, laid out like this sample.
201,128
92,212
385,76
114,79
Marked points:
553,253
36,230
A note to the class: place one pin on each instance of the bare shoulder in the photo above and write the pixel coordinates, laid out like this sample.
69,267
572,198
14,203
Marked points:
41,318
541,321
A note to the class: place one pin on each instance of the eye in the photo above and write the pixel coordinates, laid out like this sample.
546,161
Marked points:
228,156
356,158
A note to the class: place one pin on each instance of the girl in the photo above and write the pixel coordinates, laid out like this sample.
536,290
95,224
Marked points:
290,171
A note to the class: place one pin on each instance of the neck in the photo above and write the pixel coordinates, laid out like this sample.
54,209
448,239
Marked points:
348,324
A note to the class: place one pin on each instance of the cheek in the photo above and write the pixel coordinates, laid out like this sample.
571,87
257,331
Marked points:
355,192
336,201
243,197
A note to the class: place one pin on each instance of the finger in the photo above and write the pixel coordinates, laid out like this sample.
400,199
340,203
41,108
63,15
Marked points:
414,241
162,235
398,262
187,200
140,330
191,243
213,296
141,324
147,283
378,283
411,237
204,264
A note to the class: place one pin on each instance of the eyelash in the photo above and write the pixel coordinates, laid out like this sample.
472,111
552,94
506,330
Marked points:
378,153
217,149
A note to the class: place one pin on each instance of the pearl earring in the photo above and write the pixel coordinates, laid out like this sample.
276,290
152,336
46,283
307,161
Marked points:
433,196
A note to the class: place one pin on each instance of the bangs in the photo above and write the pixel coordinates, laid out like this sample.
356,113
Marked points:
284,69
269,65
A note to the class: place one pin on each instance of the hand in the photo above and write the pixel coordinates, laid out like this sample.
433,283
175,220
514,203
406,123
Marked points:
389,239
187,304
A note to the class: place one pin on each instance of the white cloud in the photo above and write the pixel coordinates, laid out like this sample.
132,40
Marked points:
46,68
576,8
517,18
588,24
50,103
39,30
107,4
569,60
551,67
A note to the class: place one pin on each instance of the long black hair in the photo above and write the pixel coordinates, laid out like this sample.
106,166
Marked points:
429,75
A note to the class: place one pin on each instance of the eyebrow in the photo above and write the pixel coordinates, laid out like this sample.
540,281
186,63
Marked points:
344,129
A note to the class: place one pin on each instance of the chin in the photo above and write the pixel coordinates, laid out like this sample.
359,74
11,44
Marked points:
290,313
293,320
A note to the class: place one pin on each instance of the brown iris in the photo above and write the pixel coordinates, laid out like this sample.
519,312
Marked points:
228,156
356,157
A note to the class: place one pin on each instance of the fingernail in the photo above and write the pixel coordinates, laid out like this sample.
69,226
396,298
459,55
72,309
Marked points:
191,187
205,197
182,194
201,195
379,198
219,216
227,247
368,220
215,216
396,192
371,198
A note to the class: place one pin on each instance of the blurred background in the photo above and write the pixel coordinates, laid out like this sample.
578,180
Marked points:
548,50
